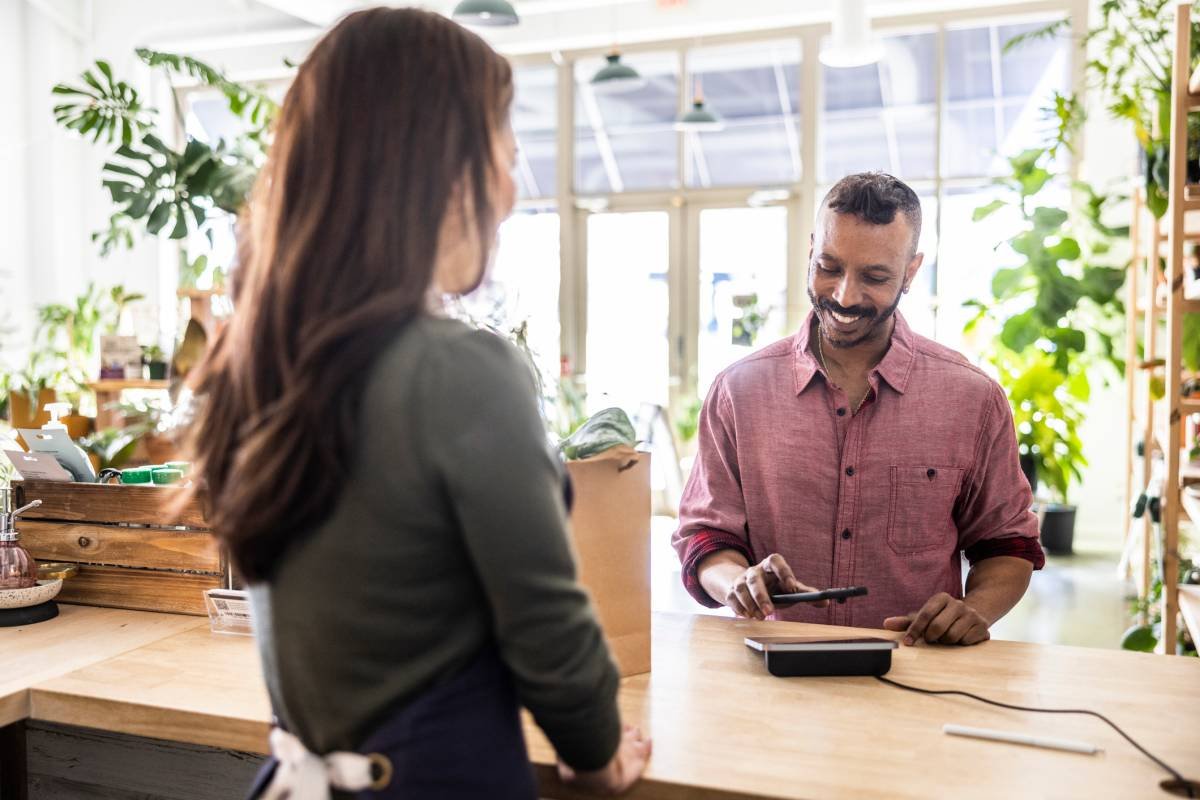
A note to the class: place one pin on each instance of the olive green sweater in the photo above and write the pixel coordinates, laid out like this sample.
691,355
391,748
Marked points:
450,537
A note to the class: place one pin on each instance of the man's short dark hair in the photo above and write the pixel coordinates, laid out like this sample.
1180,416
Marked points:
875,197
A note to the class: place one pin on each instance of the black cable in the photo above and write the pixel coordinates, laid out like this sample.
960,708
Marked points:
1174,774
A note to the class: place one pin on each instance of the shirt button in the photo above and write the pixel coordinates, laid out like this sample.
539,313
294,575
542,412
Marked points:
846,533
850,471
841,412
930,472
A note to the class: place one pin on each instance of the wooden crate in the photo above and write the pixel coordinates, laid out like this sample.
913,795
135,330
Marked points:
130,553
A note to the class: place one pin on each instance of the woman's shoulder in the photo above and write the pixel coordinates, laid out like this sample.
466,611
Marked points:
450,351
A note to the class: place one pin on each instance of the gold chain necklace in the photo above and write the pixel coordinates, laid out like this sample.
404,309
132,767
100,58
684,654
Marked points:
824,366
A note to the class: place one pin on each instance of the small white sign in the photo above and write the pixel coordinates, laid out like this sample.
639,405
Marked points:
229,611
121,355
37,466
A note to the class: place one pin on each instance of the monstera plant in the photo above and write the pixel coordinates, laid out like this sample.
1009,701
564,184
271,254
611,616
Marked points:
156,187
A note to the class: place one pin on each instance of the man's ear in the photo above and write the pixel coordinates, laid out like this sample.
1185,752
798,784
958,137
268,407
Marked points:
914,266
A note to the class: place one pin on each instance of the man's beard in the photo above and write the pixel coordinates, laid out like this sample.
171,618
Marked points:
878,320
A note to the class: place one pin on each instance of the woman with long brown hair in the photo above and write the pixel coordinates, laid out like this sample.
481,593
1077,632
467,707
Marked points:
379,472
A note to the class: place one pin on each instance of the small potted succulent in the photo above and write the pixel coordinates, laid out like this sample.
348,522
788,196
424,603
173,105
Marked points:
155,361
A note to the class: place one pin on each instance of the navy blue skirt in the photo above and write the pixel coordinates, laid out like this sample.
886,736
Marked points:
458,740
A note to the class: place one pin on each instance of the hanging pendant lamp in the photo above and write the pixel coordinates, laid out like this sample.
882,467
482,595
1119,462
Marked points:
699,118
616,77
492,13
851,44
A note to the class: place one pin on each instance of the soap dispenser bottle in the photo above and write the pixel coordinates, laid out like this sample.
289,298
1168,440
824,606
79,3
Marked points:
18,570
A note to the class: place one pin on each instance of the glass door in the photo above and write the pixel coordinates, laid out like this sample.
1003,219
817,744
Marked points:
743,285
628,307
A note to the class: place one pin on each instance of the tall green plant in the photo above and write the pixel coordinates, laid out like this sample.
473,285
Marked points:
1055,312
156,187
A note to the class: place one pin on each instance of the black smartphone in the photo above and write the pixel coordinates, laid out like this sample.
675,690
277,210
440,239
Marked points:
825,594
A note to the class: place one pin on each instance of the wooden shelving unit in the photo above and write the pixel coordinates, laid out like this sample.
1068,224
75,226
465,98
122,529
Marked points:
200,306
109,392
1161,421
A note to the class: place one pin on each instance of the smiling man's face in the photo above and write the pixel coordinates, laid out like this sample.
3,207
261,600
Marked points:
857,273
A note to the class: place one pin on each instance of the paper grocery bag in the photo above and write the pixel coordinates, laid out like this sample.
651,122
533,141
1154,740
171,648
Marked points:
610,526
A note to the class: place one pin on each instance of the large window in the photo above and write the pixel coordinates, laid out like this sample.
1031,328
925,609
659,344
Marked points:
882,116
686,250
520,290
627,342
625,130
535,123
993,98
743,285
756,93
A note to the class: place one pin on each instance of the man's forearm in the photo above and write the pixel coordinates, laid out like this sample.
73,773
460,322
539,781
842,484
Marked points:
718,571
995,585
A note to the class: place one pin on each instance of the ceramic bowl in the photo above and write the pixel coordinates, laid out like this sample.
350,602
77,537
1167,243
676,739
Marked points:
34,595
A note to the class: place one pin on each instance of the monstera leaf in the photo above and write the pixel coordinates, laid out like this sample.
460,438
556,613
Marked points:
603,431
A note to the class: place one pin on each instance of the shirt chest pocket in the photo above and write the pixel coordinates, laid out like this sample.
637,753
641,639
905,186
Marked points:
921,508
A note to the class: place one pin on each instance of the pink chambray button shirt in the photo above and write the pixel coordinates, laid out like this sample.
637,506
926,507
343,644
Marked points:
886,498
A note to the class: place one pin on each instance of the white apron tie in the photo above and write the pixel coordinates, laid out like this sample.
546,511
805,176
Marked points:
302,775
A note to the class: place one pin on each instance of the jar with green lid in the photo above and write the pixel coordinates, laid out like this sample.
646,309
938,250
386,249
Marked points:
165,476
136,475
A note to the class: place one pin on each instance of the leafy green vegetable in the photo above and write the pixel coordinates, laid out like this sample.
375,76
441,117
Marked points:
603,431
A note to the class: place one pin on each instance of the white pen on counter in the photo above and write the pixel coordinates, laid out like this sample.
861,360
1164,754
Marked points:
1071,745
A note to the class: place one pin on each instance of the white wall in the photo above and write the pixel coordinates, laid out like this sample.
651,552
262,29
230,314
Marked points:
43,224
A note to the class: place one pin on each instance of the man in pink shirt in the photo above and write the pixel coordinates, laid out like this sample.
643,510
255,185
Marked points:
859,453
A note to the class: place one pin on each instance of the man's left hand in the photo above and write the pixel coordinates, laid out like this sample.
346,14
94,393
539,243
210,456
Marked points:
944,620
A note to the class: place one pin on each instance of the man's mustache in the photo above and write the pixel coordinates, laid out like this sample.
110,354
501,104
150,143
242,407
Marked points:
853,311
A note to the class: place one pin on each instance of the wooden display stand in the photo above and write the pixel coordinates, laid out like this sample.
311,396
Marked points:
200,307
129,553
1160,421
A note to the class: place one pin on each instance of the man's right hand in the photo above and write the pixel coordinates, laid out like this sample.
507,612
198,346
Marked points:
746,589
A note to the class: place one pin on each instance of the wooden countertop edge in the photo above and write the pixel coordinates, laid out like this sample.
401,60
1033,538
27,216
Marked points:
154,722
14,707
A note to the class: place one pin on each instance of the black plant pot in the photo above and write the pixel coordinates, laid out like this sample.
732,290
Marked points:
158,370
1057,528
1029,467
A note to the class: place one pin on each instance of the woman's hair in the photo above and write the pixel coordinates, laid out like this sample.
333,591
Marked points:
389,119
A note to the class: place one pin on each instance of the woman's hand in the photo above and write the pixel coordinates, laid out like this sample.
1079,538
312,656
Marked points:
622,770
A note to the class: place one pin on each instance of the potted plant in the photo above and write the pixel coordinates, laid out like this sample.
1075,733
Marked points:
155,361
1052,320
31,388
746,327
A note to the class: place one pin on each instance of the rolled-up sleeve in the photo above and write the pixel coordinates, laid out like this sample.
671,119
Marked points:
712,511
994,516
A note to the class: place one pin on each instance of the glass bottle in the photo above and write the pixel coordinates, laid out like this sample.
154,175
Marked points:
18,570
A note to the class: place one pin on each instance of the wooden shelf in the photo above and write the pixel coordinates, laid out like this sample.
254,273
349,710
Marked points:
1189,405
113,385
199,294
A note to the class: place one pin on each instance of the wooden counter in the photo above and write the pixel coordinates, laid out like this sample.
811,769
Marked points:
722,726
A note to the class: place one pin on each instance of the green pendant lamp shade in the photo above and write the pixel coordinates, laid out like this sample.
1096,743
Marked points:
492,13
699,119
616,77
